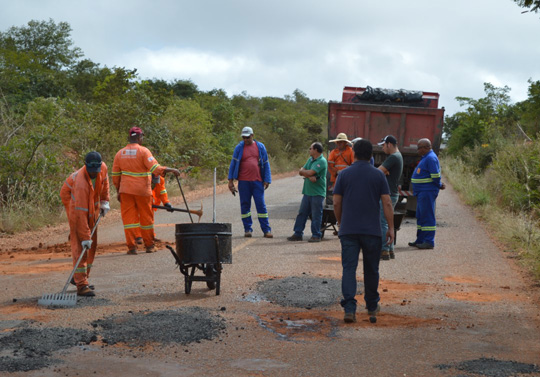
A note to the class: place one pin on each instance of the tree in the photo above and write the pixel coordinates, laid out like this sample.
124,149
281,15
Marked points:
34,60
534,5
484,119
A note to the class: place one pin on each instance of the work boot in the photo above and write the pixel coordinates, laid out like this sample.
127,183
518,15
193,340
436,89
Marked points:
268,235
385,255
314,239
248,234
349,317
294,237
150,249
424,245
392,254
373,313
85,291
132,252
72,282
139,240
412,244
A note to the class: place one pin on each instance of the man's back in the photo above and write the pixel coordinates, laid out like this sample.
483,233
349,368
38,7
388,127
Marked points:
361,186
394,165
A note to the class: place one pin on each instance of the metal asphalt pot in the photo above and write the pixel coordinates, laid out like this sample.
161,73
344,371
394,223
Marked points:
204,243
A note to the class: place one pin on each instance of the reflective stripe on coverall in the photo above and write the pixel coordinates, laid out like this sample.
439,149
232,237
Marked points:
84,206
159,196
426,182
133,167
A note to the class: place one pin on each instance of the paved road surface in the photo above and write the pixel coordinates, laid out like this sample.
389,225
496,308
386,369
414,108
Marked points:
462,309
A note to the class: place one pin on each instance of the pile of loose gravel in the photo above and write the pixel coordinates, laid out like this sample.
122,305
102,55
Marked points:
31,348
185,325
302,291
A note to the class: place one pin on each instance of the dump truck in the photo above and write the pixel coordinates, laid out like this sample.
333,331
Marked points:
373,113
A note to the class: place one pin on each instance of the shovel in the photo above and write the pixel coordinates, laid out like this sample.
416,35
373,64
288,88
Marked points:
63,298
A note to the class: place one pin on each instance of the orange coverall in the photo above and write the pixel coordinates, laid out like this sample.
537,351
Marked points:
338,160
81,198
159,195
133,167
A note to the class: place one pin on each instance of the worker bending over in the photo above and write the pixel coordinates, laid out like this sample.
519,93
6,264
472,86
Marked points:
85,194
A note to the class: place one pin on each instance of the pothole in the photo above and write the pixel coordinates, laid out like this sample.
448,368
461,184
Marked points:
184,326
492,367
300,325
302,291
28,349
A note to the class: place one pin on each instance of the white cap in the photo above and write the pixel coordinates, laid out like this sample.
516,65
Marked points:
247,132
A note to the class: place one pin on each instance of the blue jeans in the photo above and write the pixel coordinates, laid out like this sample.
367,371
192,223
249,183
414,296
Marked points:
384,224
310,205
351,244
255,190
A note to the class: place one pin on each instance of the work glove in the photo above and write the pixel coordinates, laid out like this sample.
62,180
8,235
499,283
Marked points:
105,207
87,244
169,207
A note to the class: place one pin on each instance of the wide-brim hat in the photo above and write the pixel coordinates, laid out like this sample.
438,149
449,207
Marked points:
341,137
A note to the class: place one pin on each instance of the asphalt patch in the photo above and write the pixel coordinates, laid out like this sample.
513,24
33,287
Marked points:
493,368
184,326
28,349
302,291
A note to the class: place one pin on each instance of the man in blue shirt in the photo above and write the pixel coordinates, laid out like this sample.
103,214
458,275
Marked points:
426,182
250,166
357,193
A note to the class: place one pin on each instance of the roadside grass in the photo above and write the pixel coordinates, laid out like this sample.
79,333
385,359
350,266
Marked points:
517,231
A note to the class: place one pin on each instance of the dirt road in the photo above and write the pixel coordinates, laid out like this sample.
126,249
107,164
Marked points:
463,309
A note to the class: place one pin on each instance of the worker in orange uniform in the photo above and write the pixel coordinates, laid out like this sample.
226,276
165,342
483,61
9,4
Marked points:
85,194
340,158
133,167
159,196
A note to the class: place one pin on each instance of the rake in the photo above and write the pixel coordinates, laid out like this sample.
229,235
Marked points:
63,298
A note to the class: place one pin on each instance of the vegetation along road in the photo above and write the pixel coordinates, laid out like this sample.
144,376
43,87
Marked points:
462,309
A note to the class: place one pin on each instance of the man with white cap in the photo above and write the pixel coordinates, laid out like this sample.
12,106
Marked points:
340,158
250,166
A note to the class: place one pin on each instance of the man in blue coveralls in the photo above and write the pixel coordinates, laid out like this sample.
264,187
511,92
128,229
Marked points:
250,166
426,182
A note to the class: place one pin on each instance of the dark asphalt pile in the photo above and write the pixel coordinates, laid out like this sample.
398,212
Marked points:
493,367
29,348
302,291
185,325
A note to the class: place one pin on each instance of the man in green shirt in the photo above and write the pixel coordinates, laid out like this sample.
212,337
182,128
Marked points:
314,191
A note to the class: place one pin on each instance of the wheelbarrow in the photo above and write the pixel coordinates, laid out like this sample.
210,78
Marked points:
202,247
328,220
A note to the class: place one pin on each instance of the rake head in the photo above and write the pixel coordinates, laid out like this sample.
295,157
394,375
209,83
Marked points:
58,299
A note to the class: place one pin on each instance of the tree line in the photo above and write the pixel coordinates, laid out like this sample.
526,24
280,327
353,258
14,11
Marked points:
56,106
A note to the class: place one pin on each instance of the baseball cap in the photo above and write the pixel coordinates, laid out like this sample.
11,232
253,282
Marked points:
93,162
388,139
135,131
247,132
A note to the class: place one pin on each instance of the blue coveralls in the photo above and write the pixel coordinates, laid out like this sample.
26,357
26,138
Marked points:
252,189
426,182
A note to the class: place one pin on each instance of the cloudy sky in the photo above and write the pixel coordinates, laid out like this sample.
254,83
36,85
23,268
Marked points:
271,48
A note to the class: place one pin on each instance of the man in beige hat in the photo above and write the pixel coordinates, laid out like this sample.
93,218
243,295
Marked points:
340,158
